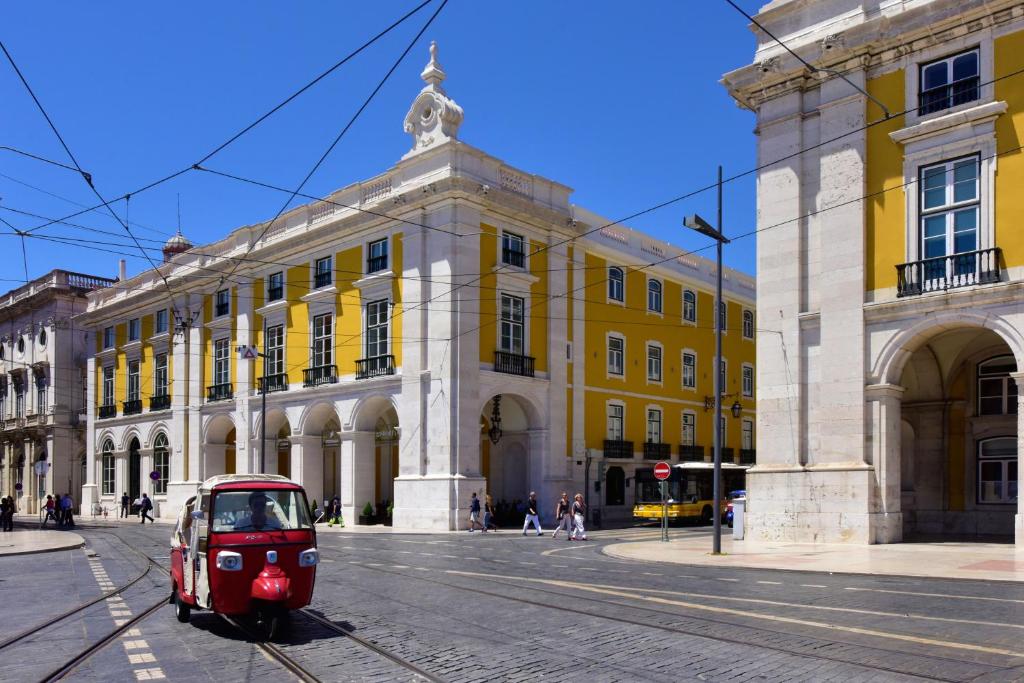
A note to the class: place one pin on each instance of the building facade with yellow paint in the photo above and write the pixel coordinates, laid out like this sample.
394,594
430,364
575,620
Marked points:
891,301
452,325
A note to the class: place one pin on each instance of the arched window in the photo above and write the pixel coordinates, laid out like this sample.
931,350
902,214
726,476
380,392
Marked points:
616,284
748,324
161,463
997,392
689,306
654,296
615,486
998,476
108,467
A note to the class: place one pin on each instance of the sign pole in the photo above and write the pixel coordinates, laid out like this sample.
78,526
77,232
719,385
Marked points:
664,512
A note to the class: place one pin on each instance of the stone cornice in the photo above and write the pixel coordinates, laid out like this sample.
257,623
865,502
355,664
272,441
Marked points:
983,113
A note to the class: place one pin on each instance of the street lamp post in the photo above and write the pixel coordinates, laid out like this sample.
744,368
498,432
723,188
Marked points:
697,223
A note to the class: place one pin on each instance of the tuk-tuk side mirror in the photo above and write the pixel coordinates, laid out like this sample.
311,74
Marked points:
198,515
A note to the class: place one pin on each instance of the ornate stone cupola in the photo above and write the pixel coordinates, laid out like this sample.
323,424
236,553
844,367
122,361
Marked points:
434,118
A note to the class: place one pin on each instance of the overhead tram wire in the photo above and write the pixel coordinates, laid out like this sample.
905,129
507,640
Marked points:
42,159
344,130
258,121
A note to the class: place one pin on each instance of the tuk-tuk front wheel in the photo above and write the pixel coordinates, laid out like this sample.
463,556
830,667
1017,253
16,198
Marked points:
271,621
182,610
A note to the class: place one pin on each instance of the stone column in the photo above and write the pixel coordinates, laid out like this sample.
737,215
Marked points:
145,467
358,451
196,393
1018,521
884,403
90,495
28,478
536,456
308,465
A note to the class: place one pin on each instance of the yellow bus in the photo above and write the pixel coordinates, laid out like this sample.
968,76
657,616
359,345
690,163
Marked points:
690,491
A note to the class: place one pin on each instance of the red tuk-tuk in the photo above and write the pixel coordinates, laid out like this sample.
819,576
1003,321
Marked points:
244,546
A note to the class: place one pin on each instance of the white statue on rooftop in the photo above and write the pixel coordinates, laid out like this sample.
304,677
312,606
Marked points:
434,118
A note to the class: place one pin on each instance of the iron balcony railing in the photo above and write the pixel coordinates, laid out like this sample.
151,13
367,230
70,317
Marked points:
947,96
219,392
322,279
107,411
275,293
618,449
322,374
656,451
513,257
133,407
376,366
513,363
949,272
691,453
272,383
162,402
376,263
748,456
727,454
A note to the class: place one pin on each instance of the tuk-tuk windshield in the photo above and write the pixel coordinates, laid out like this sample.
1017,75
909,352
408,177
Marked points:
259,510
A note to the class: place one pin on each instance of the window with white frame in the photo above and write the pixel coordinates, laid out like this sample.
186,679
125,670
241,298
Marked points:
513,250
748,324
616,421
377,256
689,429
322,272
275,286
998,471
108,337
748,435
616,284
949,82
221,362
748,381
377,328
323,335
273,352
160,323
653,425
997,391
511,332
689,306
654,296
222,303
41,394
689,371
950,211
19,400
722,375
160,375
161,464
616,352
107,464
653,362
108,385
133,381
134,330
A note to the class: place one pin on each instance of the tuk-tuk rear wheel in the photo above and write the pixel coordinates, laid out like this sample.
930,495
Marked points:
182,610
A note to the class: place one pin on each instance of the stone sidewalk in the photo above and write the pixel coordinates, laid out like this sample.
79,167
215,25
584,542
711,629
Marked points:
24,541
945,560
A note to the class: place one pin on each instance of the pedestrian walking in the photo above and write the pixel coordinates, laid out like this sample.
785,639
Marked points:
579,510
489,514
12,507
5,511
532,516
67,512
49,509
562,514
144,508
474,513
126,504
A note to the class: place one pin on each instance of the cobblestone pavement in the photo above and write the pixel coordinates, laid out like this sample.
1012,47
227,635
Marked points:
472,607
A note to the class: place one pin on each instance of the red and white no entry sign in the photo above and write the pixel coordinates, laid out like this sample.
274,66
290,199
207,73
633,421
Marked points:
662,471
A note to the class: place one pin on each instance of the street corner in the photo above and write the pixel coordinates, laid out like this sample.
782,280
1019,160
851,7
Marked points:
25,541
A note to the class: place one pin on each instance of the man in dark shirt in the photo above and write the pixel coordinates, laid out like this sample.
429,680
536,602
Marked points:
126,504
531,514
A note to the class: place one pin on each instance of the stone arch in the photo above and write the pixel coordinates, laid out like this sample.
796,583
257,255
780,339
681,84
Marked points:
217,428
528,406
276,417
888,368
132,432
155,429
368,409
102,437
314,416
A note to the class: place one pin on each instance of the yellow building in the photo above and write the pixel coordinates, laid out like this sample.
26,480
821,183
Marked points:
890,269
450,326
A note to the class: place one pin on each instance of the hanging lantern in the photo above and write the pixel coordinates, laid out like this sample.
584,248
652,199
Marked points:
495,431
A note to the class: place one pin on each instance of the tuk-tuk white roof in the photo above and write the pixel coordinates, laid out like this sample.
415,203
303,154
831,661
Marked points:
239,478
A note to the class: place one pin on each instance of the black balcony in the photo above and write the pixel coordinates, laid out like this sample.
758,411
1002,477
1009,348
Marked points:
691,454
748,456
376,264
159,402
513,363
275,293
377,366
133,407
949,272
618,449
272,383
322,374
219,392
947,96
322,279
513,257
108,411
657,451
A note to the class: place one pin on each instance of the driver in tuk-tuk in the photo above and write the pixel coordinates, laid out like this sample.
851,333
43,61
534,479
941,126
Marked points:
258,518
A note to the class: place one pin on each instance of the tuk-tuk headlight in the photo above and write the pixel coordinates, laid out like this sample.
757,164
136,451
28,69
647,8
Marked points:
229,561
309,558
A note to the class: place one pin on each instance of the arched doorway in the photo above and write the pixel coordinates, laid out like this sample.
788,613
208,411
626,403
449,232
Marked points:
615,486
506,446
370,459
219,448
330,442
134,469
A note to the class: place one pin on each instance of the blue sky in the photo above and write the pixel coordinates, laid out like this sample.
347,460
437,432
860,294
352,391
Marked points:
620,101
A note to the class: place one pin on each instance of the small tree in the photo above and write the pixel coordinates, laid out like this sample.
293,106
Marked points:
368,509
